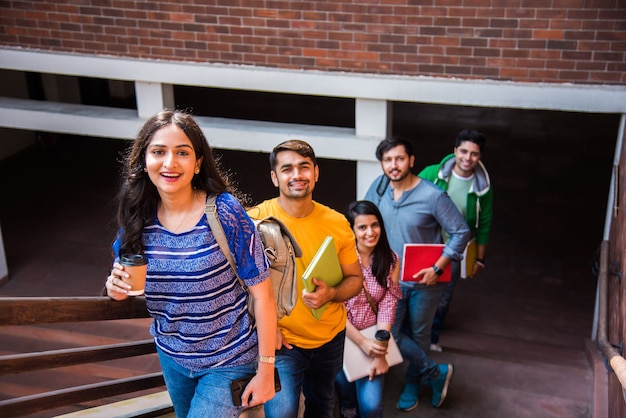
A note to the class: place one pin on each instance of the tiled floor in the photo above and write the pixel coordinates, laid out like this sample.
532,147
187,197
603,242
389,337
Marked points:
516,334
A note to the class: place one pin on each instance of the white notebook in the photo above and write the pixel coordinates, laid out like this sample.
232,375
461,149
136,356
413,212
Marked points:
356,362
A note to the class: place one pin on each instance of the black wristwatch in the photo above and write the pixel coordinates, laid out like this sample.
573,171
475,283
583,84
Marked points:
438,271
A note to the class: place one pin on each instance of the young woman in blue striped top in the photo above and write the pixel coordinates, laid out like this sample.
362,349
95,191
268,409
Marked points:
204,335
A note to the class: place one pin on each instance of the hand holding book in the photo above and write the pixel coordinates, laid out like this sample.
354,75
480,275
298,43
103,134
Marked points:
418,259
324,267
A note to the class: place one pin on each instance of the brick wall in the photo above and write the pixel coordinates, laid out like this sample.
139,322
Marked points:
578,41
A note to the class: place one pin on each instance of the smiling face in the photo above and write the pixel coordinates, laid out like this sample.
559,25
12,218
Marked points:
367,231
294,175
396,163
466,156
171,160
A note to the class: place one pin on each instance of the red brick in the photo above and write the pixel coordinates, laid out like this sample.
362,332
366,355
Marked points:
432,11
591,66
327,44
513,73
278,60
531,63
461,11
574,75
448,41
489,33
519,13
547,34
473,61
545,54
486,52
476,3
534,23
610,36
457,70
431,50
404,49
568,4
474,42
430,69
266,13
490,12
561,65
419,21
531,44
582,14
418,59
492,73
447,21
613,15
606,77
609,56
475,22
445,59
388,48
504,44
503,23
404,68
302,43
543,75
501,63
551,13
552,44
336,36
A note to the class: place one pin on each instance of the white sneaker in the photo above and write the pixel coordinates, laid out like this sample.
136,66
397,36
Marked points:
436,347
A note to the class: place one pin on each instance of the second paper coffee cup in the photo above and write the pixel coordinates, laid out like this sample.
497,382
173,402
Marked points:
382,337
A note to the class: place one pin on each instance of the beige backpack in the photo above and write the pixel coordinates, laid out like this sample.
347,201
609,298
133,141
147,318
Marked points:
281,249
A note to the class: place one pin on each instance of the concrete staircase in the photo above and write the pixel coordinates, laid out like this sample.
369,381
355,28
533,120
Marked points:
25,339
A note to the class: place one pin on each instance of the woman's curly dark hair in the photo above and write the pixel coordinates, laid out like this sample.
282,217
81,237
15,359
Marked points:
138,198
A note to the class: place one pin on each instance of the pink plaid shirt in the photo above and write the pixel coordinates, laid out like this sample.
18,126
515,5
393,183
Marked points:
360,312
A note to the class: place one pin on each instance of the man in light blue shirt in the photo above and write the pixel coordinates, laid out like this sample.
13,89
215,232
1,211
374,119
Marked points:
416,211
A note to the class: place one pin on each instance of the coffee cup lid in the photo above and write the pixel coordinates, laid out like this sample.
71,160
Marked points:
134,259
382,335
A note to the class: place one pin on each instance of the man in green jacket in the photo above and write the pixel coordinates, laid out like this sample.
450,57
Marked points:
464,177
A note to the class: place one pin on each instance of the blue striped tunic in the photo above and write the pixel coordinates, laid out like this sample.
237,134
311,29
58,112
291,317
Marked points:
198,306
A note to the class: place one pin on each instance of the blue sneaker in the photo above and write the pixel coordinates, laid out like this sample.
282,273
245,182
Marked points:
409,398
440,384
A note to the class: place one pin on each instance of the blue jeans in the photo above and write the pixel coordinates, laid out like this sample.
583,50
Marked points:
202,394
444,303
364,396
311,371
414,318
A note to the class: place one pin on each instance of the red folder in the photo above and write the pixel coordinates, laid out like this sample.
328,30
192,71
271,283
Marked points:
418,256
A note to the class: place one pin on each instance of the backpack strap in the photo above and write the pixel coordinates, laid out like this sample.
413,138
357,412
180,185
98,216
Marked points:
284,230
370,299
218,232
383,183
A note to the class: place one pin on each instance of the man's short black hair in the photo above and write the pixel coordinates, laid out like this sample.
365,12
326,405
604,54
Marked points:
392,142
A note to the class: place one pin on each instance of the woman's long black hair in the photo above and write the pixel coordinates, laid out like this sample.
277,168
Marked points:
382,256
138,198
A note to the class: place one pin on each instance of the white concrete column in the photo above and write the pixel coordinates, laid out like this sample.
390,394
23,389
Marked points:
372,119
366,172
153,97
